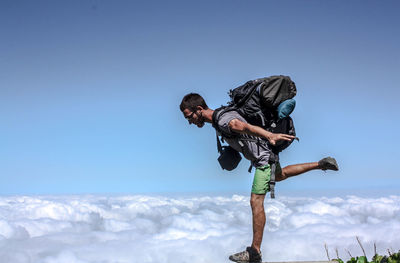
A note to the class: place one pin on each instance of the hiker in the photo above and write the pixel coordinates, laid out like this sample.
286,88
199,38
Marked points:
244,137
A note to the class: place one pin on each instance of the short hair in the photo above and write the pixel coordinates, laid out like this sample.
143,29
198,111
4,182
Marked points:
191,101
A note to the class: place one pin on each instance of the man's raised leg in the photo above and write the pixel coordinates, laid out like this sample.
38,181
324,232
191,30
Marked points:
296,169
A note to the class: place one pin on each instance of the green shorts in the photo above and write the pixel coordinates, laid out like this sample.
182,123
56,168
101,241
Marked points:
262,177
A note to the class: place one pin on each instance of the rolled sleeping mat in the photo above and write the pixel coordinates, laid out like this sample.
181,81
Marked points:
286,108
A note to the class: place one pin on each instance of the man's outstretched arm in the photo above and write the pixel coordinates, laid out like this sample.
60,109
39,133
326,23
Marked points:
246,128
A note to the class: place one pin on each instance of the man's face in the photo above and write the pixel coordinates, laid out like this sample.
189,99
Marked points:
195,117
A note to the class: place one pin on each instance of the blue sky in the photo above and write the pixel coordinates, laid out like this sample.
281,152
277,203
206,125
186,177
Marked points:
89,92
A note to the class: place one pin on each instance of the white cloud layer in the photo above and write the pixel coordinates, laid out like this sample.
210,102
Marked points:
122,229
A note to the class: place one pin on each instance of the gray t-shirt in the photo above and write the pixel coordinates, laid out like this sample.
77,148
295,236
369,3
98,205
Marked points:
258,154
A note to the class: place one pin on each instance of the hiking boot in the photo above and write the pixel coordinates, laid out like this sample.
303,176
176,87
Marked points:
250,255
328,163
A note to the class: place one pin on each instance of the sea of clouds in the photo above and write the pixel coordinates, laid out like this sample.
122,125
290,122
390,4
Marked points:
140,228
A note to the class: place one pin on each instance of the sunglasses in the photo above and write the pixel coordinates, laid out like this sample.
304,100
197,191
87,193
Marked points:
190,116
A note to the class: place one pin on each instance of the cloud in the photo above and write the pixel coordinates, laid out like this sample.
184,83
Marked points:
86,229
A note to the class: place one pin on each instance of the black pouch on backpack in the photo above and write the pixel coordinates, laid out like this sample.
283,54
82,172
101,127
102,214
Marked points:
229,158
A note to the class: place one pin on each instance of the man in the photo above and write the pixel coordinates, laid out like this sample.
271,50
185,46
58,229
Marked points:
196,111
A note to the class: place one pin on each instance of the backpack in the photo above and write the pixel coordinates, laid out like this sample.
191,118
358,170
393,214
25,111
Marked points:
267,103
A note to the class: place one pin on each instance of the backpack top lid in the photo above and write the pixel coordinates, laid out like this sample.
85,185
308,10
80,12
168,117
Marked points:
276,89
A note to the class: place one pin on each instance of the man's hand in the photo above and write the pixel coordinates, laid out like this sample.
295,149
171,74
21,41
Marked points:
273,138
246,128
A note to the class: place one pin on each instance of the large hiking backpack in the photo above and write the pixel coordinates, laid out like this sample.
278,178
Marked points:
267,103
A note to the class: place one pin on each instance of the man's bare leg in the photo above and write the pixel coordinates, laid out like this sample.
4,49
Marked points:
327,163
257,208
257,200
296,169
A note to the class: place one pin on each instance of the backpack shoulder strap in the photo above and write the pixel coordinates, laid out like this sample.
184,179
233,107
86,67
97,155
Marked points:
273,162
272,180
216,116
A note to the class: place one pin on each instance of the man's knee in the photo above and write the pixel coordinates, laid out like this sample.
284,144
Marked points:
256,201
281,175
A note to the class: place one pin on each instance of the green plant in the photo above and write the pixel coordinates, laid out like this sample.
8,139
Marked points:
392,258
